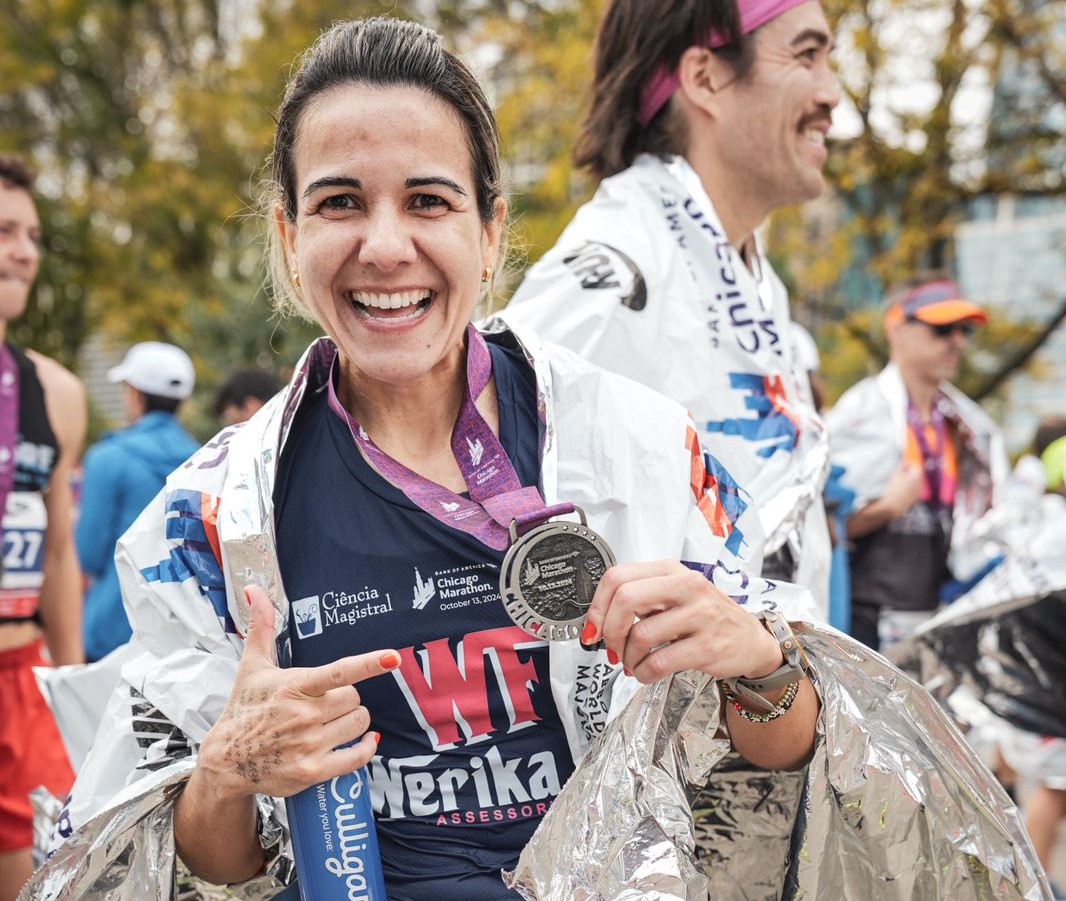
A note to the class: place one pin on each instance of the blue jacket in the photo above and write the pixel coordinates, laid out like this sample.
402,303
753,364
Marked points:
123,472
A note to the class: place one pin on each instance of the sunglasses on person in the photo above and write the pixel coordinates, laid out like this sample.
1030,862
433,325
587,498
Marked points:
947,329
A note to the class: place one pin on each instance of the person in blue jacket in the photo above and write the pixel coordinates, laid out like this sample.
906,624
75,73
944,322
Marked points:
123,472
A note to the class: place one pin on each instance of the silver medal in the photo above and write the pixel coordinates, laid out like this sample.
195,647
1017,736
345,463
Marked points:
549,576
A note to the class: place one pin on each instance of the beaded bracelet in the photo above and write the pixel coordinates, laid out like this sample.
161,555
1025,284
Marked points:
783,705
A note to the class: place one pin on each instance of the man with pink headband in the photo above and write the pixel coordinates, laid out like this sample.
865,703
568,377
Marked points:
705,117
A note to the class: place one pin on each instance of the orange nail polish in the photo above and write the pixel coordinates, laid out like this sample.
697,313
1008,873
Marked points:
612,658
588,634
377,737
391,660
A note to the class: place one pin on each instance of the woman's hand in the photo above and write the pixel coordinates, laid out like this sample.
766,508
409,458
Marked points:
662,618
278,732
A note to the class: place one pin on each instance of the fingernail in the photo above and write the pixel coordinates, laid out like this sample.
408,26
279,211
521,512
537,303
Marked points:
613,658
588,634
625,669
248,595
389,660
377,737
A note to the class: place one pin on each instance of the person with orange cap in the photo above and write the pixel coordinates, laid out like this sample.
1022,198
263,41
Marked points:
924,461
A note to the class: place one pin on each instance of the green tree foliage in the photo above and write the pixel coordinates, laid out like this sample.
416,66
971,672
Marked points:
901,185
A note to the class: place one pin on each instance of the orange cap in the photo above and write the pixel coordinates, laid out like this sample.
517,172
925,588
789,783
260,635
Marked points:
935,303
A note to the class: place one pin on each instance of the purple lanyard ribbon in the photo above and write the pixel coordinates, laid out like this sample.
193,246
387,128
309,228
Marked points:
932,459
496,494
9,427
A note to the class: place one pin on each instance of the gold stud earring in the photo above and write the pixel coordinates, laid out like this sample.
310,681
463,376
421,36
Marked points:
486,273
295,278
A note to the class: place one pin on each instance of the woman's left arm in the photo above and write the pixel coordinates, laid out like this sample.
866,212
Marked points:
662,618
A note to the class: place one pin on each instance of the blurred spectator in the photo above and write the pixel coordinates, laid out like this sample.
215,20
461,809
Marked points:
810,361
123,472
1042,759
243,393
42,426
1050,446
904,439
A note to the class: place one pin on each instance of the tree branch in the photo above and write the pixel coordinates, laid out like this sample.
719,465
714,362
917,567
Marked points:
1023,355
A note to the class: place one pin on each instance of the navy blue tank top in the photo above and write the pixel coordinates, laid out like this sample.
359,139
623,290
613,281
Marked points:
473,751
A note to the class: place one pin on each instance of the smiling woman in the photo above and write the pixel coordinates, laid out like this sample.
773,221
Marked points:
419,506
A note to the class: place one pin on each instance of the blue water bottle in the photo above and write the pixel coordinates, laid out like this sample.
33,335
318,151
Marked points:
335,842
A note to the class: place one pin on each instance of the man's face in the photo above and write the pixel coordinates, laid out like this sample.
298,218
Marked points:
242,412
772,122
929,353
20,255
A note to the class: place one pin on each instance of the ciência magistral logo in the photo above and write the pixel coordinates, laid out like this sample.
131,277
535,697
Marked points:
308,615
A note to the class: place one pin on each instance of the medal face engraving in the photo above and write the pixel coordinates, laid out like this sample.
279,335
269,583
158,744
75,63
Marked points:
549,576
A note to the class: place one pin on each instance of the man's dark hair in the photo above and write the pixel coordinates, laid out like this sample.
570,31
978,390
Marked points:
15,172
245,383
1048,432
154,403
635,38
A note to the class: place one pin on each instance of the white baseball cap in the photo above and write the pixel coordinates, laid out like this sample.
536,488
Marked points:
156,368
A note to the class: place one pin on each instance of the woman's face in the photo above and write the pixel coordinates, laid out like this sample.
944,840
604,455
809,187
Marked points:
387,239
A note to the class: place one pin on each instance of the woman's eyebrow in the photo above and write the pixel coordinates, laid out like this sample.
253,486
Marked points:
434,180
332,181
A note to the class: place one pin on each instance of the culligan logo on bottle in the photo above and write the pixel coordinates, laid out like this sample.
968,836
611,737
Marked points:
335,843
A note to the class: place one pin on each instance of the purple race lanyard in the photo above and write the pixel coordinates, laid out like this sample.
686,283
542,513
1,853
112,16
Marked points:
496,493
9,426
931,460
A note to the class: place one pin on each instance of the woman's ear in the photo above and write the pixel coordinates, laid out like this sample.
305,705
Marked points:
493,231
287,231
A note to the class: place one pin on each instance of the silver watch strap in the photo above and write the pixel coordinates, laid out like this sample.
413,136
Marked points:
751,690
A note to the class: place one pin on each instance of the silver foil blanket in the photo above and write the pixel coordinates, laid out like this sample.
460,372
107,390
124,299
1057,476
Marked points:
1012,658
895,807
127,852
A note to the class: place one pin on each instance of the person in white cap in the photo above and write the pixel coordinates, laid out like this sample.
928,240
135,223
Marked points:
123,472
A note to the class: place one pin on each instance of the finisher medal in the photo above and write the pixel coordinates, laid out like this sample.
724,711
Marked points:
549,576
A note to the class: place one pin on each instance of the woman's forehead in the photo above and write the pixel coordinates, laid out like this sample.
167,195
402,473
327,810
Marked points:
361,125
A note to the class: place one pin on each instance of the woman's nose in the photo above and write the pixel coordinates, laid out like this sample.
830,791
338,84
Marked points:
388,241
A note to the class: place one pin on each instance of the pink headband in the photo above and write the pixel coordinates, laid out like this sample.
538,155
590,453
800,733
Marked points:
664,83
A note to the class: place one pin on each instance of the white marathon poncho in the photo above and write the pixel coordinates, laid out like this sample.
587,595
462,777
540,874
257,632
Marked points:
892,798
868,431
645,283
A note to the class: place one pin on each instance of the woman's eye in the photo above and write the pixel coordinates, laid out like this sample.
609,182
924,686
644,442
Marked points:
809,55
429,202
337,202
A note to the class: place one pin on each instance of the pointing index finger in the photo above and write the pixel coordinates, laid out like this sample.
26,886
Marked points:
319,680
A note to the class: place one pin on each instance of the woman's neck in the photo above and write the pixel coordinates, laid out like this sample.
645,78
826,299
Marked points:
413,422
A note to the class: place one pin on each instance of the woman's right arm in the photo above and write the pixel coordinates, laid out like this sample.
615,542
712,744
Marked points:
276,736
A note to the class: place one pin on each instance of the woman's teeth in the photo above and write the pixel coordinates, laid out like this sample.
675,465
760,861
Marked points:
370,303
394,301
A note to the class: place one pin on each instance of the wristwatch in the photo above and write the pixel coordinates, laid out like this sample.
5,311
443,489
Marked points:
790,672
